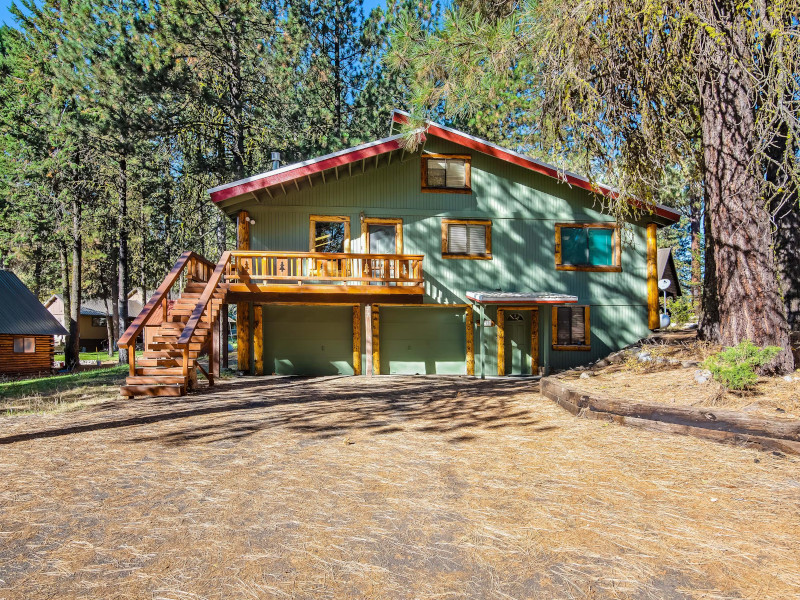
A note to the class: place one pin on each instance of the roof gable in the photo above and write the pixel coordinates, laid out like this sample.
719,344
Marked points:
21,313
249,187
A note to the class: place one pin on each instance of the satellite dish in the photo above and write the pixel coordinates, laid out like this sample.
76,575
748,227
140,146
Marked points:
663,284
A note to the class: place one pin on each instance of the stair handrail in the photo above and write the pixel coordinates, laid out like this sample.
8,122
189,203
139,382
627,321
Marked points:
202,303
158,298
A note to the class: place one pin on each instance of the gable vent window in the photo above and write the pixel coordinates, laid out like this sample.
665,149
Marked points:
466,238
448,173
571,328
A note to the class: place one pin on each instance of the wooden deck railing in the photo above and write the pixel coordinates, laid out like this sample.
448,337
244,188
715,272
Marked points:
196,267
255,266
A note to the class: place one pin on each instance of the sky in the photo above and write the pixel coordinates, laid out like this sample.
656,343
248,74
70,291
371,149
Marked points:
7,18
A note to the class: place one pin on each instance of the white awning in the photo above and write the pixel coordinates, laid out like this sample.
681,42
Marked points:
520,298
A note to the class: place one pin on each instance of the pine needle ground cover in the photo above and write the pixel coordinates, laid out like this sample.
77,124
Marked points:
388,487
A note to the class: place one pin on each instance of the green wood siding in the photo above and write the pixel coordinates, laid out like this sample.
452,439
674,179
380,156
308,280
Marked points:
524,207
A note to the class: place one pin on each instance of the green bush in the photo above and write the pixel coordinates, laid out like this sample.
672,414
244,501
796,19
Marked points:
736,367
680,309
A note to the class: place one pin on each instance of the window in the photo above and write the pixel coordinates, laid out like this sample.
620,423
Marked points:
571,328
98,321
24,345
329,234
448,173
466,238
587,247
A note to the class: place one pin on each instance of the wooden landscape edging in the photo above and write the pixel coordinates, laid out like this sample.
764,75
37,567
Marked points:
726,426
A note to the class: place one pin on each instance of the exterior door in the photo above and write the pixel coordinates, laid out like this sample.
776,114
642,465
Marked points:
517,341
382,240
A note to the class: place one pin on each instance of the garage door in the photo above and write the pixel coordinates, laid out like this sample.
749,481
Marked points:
308,340
422,341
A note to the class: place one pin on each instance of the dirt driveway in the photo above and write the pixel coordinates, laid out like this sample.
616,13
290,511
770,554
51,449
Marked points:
384,488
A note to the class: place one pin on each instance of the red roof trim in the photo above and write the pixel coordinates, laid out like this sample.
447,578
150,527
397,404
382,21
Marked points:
533,165
305,169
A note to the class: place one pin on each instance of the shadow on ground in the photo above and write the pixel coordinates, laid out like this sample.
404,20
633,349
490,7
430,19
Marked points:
321,407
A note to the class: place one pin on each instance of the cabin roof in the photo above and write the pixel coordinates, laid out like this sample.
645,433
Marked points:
667,270
21,313
296,171
96,307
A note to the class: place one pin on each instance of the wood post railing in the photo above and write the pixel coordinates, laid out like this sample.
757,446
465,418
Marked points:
316,267
198,269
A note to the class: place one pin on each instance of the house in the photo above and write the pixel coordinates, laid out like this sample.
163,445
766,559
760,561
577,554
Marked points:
93,330
26,329
667,270
459,257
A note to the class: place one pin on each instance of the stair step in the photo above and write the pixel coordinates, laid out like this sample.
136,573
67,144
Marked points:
153,390
161,370
160,362
153,354
169,346
156,380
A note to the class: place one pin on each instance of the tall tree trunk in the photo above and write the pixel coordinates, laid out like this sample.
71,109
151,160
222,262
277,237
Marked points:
122,258
115,310
237,102
109,326
37,271
695,216
73,347
745,290
63,253
786,232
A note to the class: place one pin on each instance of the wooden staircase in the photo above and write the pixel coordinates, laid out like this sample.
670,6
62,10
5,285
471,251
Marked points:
187,329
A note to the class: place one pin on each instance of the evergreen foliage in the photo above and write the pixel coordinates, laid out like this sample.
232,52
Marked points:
737,367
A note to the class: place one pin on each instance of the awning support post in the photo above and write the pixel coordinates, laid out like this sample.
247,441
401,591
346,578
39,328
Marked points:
481,340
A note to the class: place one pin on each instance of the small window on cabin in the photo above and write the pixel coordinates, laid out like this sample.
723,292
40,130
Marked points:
98,321
571,328
330,234
587,247
25,345
446,173
466,238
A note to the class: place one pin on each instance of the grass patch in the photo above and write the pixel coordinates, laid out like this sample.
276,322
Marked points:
61,392
100,355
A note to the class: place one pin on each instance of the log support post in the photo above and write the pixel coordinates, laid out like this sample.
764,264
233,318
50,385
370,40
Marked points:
481,323
368,338
470,325
376,340
501,342
223,319
653,320
213,356
357,339
258,339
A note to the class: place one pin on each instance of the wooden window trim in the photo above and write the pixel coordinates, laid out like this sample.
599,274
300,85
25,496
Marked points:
312,229
486,222
398,227
437,190
616,250
587,334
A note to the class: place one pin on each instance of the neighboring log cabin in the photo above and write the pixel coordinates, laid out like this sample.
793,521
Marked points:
460,257
26,329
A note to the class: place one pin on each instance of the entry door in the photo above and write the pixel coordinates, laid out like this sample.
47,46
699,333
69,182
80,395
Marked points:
517,341
382,240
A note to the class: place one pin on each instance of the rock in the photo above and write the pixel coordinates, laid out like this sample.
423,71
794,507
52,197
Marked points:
585,375
644,357
791,378
702,376
602,364
674,362
615,358
688,364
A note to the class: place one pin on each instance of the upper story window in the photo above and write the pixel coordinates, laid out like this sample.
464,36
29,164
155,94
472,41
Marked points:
98,321
467,238
24,345
571,328
588,247
449,173
329,233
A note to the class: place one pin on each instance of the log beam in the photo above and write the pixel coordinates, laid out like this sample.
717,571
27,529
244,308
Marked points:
258,339
243,336
470,324
501,342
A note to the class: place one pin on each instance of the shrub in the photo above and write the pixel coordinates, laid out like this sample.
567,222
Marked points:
680,310
737,367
